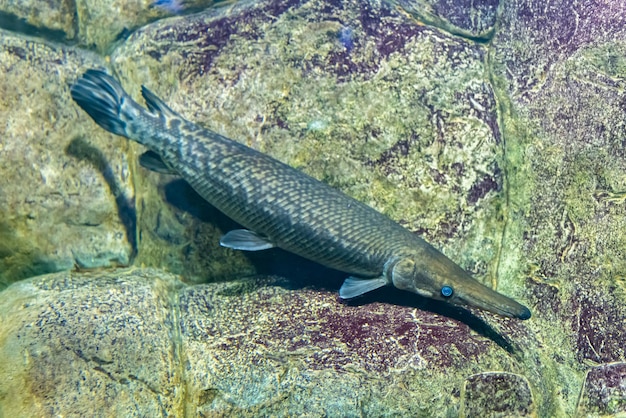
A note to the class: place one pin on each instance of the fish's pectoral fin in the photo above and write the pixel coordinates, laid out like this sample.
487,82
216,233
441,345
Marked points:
355,286
152,161
243,239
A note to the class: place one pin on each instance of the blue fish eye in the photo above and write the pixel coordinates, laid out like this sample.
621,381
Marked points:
447,291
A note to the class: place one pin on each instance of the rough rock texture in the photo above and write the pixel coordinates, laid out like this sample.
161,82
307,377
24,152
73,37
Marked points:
53,18
102,24
468,18
72,344
95,24
508,155
604,392
312,354
66,197
497,394
139,342
562,65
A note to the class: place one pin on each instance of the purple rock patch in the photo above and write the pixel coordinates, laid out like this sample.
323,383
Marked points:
605,391
598,323
383,25
545,298
326,334
201,38
204,36
554,31
497,394
484,185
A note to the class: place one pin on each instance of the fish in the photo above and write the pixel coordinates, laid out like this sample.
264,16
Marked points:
280,206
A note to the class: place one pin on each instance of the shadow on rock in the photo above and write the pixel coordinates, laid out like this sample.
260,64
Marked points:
302,273
274,262
401,298
83,151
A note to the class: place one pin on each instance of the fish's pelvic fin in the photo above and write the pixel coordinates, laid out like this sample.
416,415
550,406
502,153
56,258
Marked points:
152,161
155,104
355,286
245,240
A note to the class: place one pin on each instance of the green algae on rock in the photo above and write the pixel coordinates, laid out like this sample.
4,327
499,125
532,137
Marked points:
74,343
565,127
469,19
547,88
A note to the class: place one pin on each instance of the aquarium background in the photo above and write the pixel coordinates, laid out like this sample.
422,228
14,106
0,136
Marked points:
495,129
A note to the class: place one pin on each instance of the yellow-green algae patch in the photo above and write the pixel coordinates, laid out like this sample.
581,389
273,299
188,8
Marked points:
565,232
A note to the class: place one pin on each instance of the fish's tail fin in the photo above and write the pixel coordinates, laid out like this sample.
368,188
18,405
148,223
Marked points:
104,99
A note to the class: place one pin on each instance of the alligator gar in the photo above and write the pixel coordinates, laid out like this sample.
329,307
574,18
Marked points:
280,206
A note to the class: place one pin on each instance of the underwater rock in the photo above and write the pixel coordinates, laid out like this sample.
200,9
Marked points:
466,18
258,348
140,342
66,197
508,155
95,24
52,19
604,392
563,67
75,343
497,394
104,23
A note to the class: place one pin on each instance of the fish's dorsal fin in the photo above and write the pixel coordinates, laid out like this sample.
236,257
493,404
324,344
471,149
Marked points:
355,286
152,161
155,104
243,239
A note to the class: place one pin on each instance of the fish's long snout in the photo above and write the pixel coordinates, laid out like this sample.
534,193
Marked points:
448,282
480,296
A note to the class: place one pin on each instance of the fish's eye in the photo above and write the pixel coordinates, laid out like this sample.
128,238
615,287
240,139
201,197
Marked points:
447,291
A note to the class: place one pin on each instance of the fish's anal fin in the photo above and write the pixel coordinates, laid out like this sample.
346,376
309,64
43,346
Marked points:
152,161
245,240
355,286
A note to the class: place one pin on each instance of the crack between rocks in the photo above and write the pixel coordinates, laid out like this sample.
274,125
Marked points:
505,112
443,25
19,25
178,348
502,107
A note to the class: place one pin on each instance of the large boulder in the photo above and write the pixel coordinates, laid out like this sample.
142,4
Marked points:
141,343
398,115
562,68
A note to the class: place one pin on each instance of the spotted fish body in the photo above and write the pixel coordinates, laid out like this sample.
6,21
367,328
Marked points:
283,207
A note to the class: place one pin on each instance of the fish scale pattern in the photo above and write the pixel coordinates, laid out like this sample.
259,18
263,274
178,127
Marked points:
293,210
